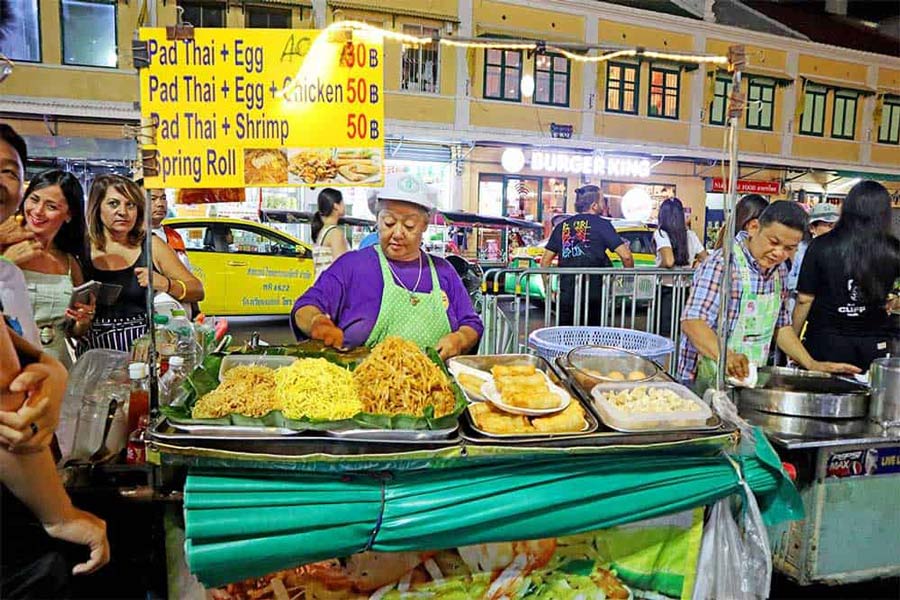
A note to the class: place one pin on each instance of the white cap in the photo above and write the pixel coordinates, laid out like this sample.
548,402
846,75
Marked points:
406,187
176,361
137,370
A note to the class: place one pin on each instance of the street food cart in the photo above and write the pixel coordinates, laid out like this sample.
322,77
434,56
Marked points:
848,473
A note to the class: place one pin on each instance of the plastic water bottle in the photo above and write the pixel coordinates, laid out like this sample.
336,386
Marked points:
170,383
186,342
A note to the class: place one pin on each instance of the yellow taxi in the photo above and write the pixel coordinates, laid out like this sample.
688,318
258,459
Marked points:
246,268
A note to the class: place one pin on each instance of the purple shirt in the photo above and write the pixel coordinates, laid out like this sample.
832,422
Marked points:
350,290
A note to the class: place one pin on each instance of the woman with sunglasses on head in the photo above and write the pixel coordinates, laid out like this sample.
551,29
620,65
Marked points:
53,210
117,256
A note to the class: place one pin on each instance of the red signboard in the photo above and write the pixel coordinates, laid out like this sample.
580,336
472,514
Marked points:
749,186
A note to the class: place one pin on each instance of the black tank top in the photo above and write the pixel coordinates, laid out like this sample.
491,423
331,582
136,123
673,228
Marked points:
132,300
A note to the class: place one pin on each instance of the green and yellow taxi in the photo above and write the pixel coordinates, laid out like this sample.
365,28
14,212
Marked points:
247,268
638,236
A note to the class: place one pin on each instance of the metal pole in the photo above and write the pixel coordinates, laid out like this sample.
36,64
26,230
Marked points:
735,113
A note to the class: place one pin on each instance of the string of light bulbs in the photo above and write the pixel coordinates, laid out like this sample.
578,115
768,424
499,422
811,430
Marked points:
530,46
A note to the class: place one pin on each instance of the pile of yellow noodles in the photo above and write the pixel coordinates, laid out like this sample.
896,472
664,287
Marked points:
398,377
246,389
317,389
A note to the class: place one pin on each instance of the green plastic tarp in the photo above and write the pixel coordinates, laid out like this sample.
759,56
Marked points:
247,523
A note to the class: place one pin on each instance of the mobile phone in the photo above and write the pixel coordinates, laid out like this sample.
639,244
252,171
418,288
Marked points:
84,292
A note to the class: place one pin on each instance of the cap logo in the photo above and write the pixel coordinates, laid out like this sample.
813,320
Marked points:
408,185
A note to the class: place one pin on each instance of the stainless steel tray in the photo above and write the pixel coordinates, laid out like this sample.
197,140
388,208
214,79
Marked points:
571,375
387,435
485,362
803,426
797,393
267,441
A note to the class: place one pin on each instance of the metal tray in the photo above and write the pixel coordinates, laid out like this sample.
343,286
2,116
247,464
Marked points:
298,444
387,435
714,423
583,384
799,393
485,362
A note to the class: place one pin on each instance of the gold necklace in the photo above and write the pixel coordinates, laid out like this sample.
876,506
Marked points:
413,299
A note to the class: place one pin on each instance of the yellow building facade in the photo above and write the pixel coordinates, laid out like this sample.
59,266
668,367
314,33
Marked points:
824,111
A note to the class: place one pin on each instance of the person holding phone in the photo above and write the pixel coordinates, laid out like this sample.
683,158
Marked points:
118,257
53,210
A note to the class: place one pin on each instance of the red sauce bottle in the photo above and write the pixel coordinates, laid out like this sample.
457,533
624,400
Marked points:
139,399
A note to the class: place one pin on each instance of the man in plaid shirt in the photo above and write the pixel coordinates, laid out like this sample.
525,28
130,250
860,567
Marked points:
764,247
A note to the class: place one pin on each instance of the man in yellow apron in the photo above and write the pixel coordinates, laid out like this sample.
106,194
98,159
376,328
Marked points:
757,312
393,288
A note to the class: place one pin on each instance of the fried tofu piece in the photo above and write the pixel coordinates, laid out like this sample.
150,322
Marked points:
571,420
512,370
489,419
532,399
471,383
512,383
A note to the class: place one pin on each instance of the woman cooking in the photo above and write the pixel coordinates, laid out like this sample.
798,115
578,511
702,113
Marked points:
393,288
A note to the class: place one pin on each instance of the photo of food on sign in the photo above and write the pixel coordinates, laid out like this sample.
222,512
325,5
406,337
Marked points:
265,166
334,166
210,195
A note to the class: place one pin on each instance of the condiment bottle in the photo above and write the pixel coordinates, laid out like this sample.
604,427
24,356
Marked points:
136,452
139,398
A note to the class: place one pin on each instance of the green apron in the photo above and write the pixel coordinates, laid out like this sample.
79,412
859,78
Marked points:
755,326
419,318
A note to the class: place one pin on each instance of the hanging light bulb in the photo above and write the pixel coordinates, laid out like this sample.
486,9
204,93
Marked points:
527,85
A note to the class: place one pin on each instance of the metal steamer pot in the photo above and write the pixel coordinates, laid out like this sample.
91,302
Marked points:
798,393
885,377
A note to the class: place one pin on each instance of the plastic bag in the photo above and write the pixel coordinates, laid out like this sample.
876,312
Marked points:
734,565
93,368
723,405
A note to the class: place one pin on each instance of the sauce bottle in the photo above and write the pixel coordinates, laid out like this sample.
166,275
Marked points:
139,398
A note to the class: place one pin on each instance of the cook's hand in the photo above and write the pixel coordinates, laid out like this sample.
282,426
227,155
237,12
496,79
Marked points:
12,232
737,365
80,527
449,346
21,252
31,427
834,367
324,329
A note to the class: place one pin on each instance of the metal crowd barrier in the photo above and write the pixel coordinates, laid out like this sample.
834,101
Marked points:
634,298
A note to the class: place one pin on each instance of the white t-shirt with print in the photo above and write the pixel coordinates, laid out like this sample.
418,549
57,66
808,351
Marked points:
16,305
661,239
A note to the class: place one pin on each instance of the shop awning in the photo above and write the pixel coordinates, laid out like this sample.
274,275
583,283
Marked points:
246,523
398,8
868,175
840,84
781,78
446,217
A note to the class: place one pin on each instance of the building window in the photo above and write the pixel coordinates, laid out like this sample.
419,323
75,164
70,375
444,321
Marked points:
889,132
622,88
203,14
843,124
421,63
503,74
813,120
761,104
718,109
89,33
20,38
259,17
551,80
664,92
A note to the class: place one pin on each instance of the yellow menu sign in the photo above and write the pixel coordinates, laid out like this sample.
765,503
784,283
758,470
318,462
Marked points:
264,107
